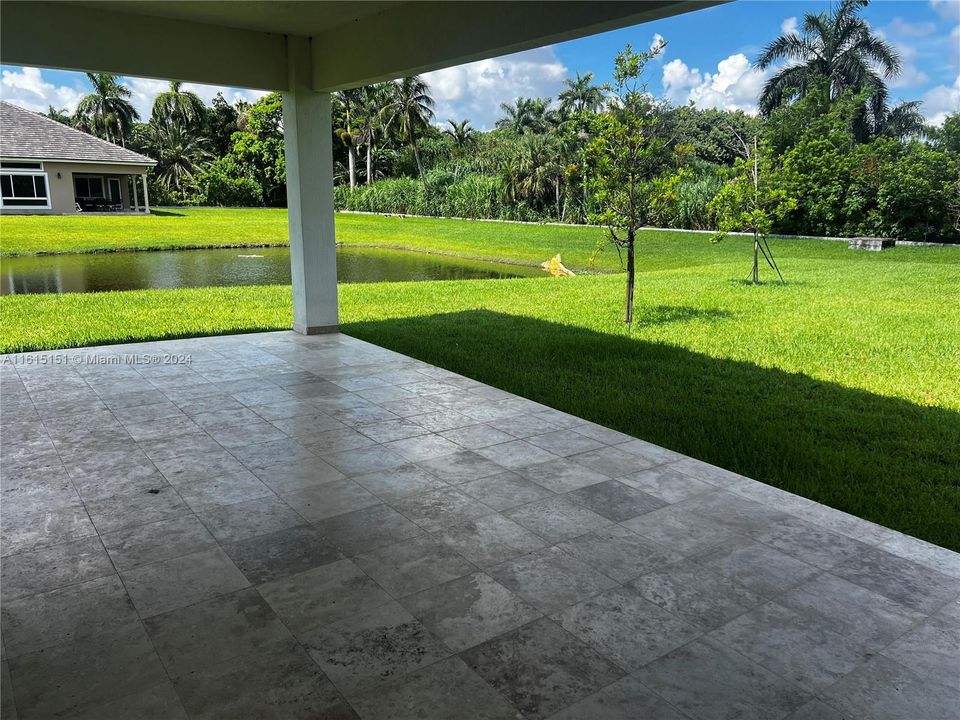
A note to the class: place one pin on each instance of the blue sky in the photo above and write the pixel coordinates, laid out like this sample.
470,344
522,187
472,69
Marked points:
707,61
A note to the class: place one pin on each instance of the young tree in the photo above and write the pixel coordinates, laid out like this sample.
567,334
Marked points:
624,158
751,202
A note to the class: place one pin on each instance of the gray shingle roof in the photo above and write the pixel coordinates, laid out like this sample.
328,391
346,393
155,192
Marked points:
25,134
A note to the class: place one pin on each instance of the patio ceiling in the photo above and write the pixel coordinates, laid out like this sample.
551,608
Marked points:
243,43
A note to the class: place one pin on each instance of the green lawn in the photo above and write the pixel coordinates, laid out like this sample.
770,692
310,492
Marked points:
843,386
216,227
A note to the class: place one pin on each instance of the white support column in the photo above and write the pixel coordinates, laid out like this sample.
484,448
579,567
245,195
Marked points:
136,200
146,196
308,143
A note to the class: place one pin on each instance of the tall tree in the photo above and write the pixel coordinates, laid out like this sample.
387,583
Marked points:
106,111
220,124
837,48
348,104
580,94
410,107
373,99
176,105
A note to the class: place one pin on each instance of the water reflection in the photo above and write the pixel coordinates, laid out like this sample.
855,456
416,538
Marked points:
98,272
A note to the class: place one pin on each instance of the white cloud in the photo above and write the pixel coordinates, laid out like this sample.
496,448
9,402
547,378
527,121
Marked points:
474,91
657,41
903,28
735,85
910,75
941,101
28,89
144,91
947,9
789,26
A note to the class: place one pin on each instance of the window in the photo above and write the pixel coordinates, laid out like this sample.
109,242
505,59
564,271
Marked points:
23,189
9,165
88,186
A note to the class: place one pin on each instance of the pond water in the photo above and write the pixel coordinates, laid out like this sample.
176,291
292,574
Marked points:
97,272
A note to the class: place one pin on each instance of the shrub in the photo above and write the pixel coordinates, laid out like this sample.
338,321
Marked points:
690,208
475,196
221,183
918,193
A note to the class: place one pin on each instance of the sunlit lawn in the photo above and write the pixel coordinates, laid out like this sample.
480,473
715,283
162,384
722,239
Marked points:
843,386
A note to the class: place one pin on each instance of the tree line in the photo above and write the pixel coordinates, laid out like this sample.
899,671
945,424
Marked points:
848,161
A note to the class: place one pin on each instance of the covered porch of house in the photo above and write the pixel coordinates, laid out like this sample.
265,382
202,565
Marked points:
300,524
112,191
281,526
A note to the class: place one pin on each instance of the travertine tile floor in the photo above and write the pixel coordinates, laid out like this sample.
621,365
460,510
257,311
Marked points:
316,527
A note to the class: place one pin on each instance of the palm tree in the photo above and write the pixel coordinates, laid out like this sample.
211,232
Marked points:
837,48
106,112
348,102
411,106
517,116
59,114
461,133
527,115
179,106
372,101
580,94
178,152
535,172
901,121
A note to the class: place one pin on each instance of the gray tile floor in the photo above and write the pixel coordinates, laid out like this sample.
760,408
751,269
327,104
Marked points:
316,527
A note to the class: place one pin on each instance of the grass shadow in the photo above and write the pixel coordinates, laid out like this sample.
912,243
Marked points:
167,213
884,459
667,314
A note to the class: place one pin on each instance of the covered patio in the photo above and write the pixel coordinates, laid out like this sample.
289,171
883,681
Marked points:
304,525
281,526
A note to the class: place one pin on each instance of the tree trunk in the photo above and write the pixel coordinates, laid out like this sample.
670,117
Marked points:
370,163
756,259
631,275
416,156
352,163
556,189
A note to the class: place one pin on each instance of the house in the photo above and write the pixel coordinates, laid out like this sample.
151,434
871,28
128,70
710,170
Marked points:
47,168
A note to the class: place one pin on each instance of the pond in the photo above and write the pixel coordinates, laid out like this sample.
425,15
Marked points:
97,272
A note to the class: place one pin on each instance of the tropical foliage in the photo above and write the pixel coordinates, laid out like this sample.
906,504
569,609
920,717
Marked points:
850,161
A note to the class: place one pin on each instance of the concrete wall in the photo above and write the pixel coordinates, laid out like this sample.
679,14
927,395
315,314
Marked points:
60,186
